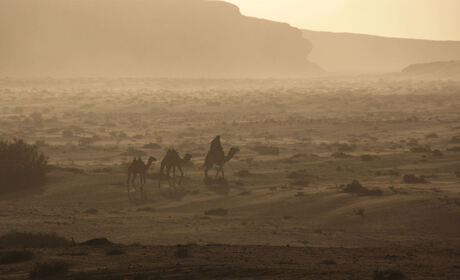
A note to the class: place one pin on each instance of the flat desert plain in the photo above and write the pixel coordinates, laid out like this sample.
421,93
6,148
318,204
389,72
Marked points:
335,178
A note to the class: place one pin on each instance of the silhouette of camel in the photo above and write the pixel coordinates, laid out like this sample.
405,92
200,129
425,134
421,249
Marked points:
138,167
170,161
218,158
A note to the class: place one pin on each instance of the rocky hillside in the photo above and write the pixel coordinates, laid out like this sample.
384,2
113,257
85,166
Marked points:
356,53
167,38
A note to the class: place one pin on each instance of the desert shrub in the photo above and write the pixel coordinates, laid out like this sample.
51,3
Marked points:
431,135
92,211
115,252
266,150
86,141
455,139
343,147
182,252
151,146
341,155
437,153
97,242
243,173
388,274
329,262
454,149
103,170
49,269
355,187
390,172
301,183
21,166
420,149
15,239
10,257
66,169
412,179
134,152
368,157
299,174
359,212
67,133
146,209
216,212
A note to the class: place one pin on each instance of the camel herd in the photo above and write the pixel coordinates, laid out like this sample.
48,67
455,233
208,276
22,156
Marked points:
214,158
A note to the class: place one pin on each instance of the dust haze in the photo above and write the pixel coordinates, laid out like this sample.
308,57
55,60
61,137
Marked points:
181,139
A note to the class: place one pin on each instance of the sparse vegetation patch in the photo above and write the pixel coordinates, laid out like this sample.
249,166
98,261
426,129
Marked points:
21,166
33,240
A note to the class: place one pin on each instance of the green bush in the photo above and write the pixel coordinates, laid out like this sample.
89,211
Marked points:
21,166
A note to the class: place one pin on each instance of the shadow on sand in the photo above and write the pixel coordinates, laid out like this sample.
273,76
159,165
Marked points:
217,185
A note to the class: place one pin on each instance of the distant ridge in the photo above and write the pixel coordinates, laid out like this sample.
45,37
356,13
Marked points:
441,69
147,38
358,53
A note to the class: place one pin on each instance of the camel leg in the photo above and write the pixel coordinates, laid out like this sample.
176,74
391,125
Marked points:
217,172
181,175
169,176
222,171
174,178
127,186
206,172
142,180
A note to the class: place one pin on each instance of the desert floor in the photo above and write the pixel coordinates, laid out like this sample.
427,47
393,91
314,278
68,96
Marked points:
284,207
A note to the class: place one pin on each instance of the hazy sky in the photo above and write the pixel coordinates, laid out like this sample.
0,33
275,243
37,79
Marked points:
425,19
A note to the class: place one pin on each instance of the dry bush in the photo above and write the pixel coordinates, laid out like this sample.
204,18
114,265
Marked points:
355,187
115,252
243,173
21,166
182,252
387,173
412,179
97,242
454,149
153,146
341,155
266,150
343,147
368,157
216,212
388,274
134,152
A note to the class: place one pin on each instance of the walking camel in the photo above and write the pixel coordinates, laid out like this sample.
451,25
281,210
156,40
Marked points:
138,167
219,159
171,161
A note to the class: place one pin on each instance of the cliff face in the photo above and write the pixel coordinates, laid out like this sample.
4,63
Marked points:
172,38
356,53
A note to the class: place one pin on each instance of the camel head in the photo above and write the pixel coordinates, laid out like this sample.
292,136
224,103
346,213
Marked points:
232,152
152,159
187,157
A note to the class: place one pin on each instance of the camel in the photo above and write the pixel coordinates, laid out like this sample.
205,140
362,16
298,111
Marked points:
219,159
138,167
170,161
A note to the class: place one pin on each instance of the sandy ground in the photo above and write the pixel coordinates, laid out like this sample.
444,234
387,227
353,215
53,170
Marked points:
246,262
300,141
